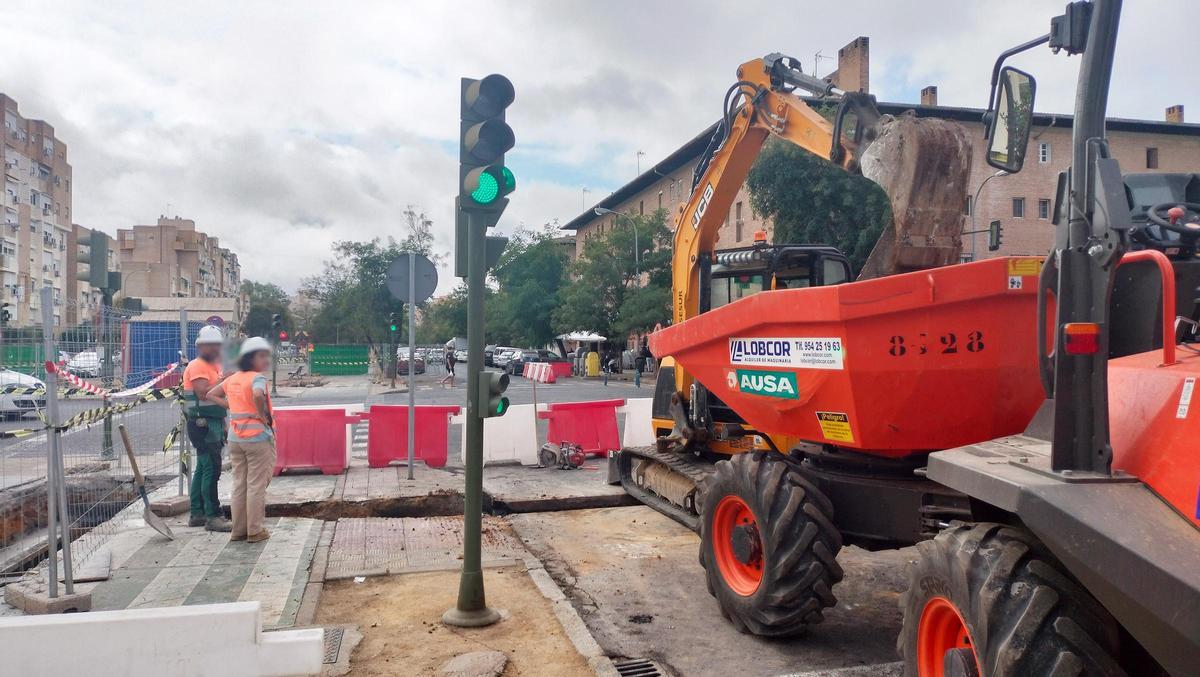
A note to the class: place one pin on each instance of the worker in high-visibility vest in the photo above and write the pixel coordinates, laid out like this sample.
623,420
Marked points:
205,429
251,438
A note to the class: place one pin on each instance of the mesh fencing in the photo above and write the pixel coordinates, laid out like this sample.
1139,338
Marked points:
114,369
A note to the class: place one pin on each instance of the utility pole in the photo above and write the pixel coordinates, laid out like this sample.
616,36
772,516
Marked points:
278,336
483,183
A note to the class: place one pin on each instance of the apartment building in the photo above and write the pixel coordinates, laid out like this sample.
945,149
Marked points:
36,233
172,258
1023,202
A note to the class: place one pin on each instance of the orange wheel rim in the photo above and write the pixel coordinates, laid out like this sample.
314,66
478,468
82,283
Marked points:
737,545
941,629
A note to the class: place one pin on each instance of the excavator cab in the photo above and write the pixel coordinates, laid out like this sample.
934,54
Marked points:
734,274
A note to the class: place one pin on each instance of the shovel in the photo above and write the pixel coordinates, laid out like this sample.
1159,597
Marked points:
153,520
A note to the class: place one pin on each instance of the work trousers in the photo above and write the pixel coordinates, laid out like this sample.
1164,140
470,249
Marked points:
253,465
206,472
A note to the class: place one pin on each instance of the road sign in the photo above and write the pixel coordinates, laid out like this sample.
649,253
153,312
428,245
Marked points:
426,279
215,320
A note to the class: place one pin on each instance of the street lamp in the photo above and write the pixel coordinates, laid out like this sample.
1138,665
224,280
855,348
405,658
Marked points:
975,206
637,268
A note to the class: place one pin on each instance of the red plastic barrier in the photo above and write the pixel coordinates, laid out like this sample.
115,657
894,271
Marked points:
592,425
560,369
311,438
387,439
538,371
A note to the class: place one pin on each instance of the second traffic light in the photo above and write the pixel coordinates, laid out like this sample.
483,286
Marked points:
486,137
393,323
491,400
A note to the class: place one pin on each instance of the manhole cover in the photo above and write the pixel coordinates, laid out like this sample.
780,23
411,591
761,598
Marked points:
333,644
638,667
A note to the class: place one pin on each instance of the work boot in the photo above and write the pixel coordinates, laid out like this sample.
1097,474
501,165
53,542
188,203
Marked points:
218,524
260,536
197,520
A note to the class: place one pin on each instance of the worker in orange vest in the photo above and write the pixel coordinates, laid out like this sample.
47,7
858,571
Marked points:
206,429
251,438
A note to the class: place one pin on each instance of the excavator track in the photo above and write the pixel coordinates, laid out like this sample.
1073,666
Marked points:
669,482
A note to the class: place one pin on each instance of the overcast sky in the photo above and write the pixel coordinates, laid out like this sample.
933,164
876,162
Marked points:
282,130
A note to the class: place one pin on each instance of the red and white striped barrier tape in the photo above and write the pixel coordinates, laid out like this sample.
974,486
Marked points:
83,385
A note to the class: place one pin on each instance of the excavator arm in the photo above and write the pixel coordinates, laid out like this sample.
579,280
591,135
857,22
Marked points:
922,164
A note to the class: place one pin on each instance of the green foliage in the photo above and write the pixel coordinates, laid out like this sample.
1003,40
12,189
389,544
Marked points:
444,317
606,294
530,273
266,299
813,202
352,290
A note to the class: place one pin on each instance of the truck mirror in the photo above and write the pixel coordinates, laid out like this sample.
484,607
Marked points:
1010,122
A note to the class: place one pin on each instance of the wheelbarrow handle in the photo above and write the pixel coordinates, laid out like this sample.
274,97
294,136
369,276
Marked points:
137,474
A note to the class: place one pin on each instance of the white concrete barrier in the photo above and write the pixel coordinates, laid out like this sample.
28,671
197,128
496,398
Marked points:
348,408
507,438
206,639
637,431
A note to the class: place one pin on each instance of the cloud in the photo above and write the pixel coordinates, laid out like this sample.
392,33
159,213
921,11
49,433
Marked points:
282,131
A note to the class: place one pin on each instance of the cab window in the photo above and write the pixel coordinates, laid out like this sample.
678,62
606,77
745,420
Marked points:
835,271
726,290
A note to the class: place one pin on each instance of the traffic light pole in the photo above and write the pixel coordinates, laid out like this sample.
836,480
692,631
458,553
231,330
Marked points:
472,609
106,368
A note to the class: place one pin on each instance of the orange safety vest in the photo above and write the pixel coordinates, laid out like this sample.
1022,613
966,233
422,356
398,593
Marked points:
243,414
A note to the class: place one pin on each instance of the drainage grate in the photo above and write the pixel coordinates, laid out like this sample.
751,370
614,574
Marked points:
333,644
638,667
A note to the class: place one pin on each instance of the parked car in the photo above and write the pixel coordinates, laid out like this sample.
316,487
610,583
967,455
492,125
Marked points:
489,352
402,362
503,355
460,356
87,363
17,404
516,365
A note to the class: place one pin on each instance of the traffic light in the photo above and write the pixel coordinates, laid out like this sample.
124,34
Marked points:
283,336
5,315
492,401
486,137
393,323
93,253
995,235
277,326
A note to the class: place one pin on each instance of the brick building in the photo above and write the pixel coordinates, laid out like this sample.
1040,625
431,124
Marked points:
1022,202
172,258
36,234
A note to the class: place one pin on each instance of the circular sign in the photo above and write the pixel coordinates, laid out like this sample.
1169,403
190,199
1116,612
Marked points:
215,320
426,278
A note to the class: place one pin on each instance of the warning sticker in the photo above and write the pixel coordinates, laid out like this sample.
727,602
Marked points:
1024,267
1185,398
835,426
1015,281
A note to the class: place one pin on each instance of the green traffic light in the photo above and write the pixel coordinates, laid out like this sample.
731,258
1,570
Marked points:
510,181
393,327
501,406
488,189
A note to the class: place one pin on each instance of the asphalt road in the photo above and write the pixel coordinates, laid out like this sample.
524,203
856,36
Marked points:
148,424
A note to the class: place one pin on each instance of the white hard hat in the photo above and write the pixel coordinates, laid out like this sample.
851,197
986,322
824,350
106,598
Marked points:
209,334
253,344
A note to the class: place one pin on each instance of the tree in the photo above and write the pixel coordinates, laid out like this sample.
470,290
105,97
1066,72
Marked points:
606,293
812,201
444,317
529,275
265,299
352,290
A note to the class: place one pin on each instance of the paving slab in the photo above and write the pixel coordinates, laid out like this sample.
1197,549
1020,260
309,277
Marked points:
203,567
635,578
377,545
517,488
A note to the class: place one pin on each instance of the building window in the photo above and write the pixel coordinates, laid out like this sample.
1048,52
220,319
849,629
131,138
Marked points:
1043,209
1018,207
967,206
737,222
1044,153
1151,158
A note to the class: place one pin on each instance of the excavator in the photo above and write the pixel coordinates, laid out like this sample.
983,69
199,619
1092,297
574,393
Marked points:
1026,422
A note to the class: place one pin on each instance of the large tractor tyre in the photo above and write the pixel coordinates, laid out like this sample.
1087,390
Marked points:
988,599
768,546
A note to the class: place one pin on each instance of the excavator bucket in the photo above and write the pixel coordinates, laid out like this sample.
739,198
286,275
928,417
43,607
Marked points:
923,164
